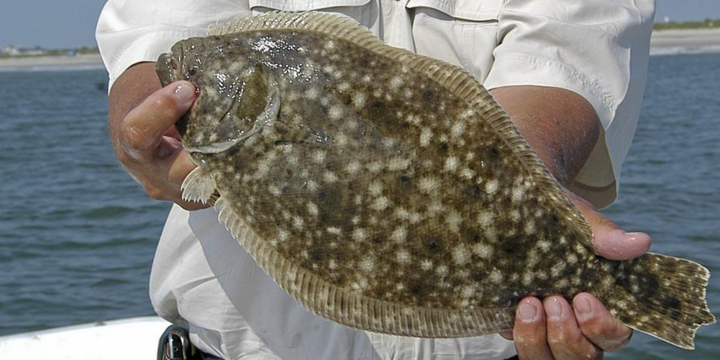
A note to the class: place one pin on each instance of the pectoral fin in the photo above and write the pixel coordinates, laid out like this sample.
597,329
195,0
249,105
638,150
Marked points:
198,186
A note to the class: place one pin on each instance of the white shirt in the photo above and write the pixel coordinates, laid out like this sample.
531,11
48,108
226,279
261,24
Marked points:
201,276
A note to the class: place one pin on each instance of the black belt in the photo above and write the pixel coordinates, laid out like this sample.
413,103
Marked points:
175,345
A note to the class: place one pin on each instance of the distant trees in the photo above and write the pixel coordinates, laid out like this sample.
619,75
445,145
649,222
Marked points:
705,24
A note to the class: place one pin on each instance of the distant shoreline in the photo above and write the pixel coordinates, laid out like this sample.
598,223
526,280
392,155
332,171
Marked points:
685,37
662,42
77,62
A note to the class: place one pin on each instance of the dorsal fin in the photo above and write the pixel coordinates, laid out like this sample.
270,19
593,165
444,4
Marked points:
333,25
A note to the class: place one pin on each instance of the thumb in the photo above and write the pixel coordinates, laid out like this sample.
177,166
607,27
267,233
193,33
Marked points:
609,240
144,126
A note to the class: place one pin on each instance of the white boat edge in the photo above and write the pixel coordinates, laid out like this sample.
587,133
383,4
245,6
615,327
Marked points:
132,338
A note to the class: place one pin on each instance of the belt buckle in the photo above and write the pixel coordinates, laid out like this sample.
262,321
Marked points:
175,344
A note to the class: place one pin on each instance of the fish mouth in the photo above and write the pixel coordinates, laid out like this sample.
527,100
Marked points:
167,67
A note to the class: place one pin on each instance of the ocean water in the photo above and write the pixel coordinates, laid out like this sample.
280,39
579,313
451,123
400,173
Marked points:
77,235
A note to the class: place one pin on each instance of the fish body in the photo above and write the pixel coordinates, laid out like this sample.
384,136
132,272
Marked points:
389,192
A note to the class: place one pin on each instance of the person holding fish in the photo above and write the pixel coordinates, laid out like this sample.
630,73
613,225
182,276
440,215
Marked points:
570,75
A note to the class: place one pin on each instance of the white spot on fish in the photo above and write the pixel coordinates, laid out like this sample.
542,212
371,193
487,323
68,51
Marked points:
485,218
491,187
529,227
343,86
451,163
341,140
467,174
298,222
359,234
330,177
311,185
375,166
428,185
367,264
425,136
413,119
483,251
375,188
353,167
312,209
403,256
467,291
396,82
274,190
319,157
518,194
572,258
381,203
528,278
398,164
442,270
544,245
460,255
358,100
458,129
453,221
515,215
335,112
496,277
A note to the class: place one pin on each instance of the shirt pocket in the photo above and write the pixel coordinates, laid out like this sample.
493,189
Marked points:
461,32
356,9
470,11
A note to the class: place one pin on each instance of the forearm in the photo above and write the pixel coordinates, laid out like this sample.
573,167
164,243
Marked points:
560,125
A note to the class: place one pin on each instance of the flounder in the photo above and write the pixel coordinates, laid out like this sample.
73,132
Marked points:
389,192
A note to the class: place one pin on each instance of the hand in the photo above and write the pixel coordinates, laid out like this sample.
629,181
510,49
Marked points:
553,329
145,139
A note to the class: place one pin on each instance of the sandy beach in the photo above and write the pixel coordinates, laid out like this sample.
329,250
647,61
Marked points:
685,38
662,42
77,62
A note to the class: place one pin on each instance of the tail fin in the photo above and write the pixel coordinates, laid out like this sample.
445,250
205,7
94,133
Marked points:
662,296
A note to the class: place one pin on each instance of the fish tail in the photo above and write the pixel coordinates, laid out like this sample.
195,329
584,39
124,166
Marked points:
662,296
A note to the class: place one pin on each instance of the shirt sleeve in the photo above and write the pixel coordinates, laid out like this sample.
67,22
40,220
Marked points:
596,48
129,31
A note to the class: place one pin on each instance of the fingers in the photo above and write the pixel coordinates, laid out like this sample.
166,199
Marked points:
548,330
530,330
598,325
609,240
143,128
552,329
149,145
565,338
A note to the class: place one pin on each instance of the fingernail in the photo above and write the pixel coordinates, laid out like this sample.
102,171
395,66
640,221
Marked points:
618,235
583,306
164,151
185,92
638,236
527,312
553,310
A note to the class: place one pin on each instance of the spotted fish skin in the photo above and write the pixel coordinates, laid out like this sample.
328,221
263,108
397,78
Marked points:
389,192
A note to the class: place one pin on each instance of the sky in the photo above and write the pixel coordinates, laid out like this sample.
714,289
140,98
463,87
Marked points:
57,24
